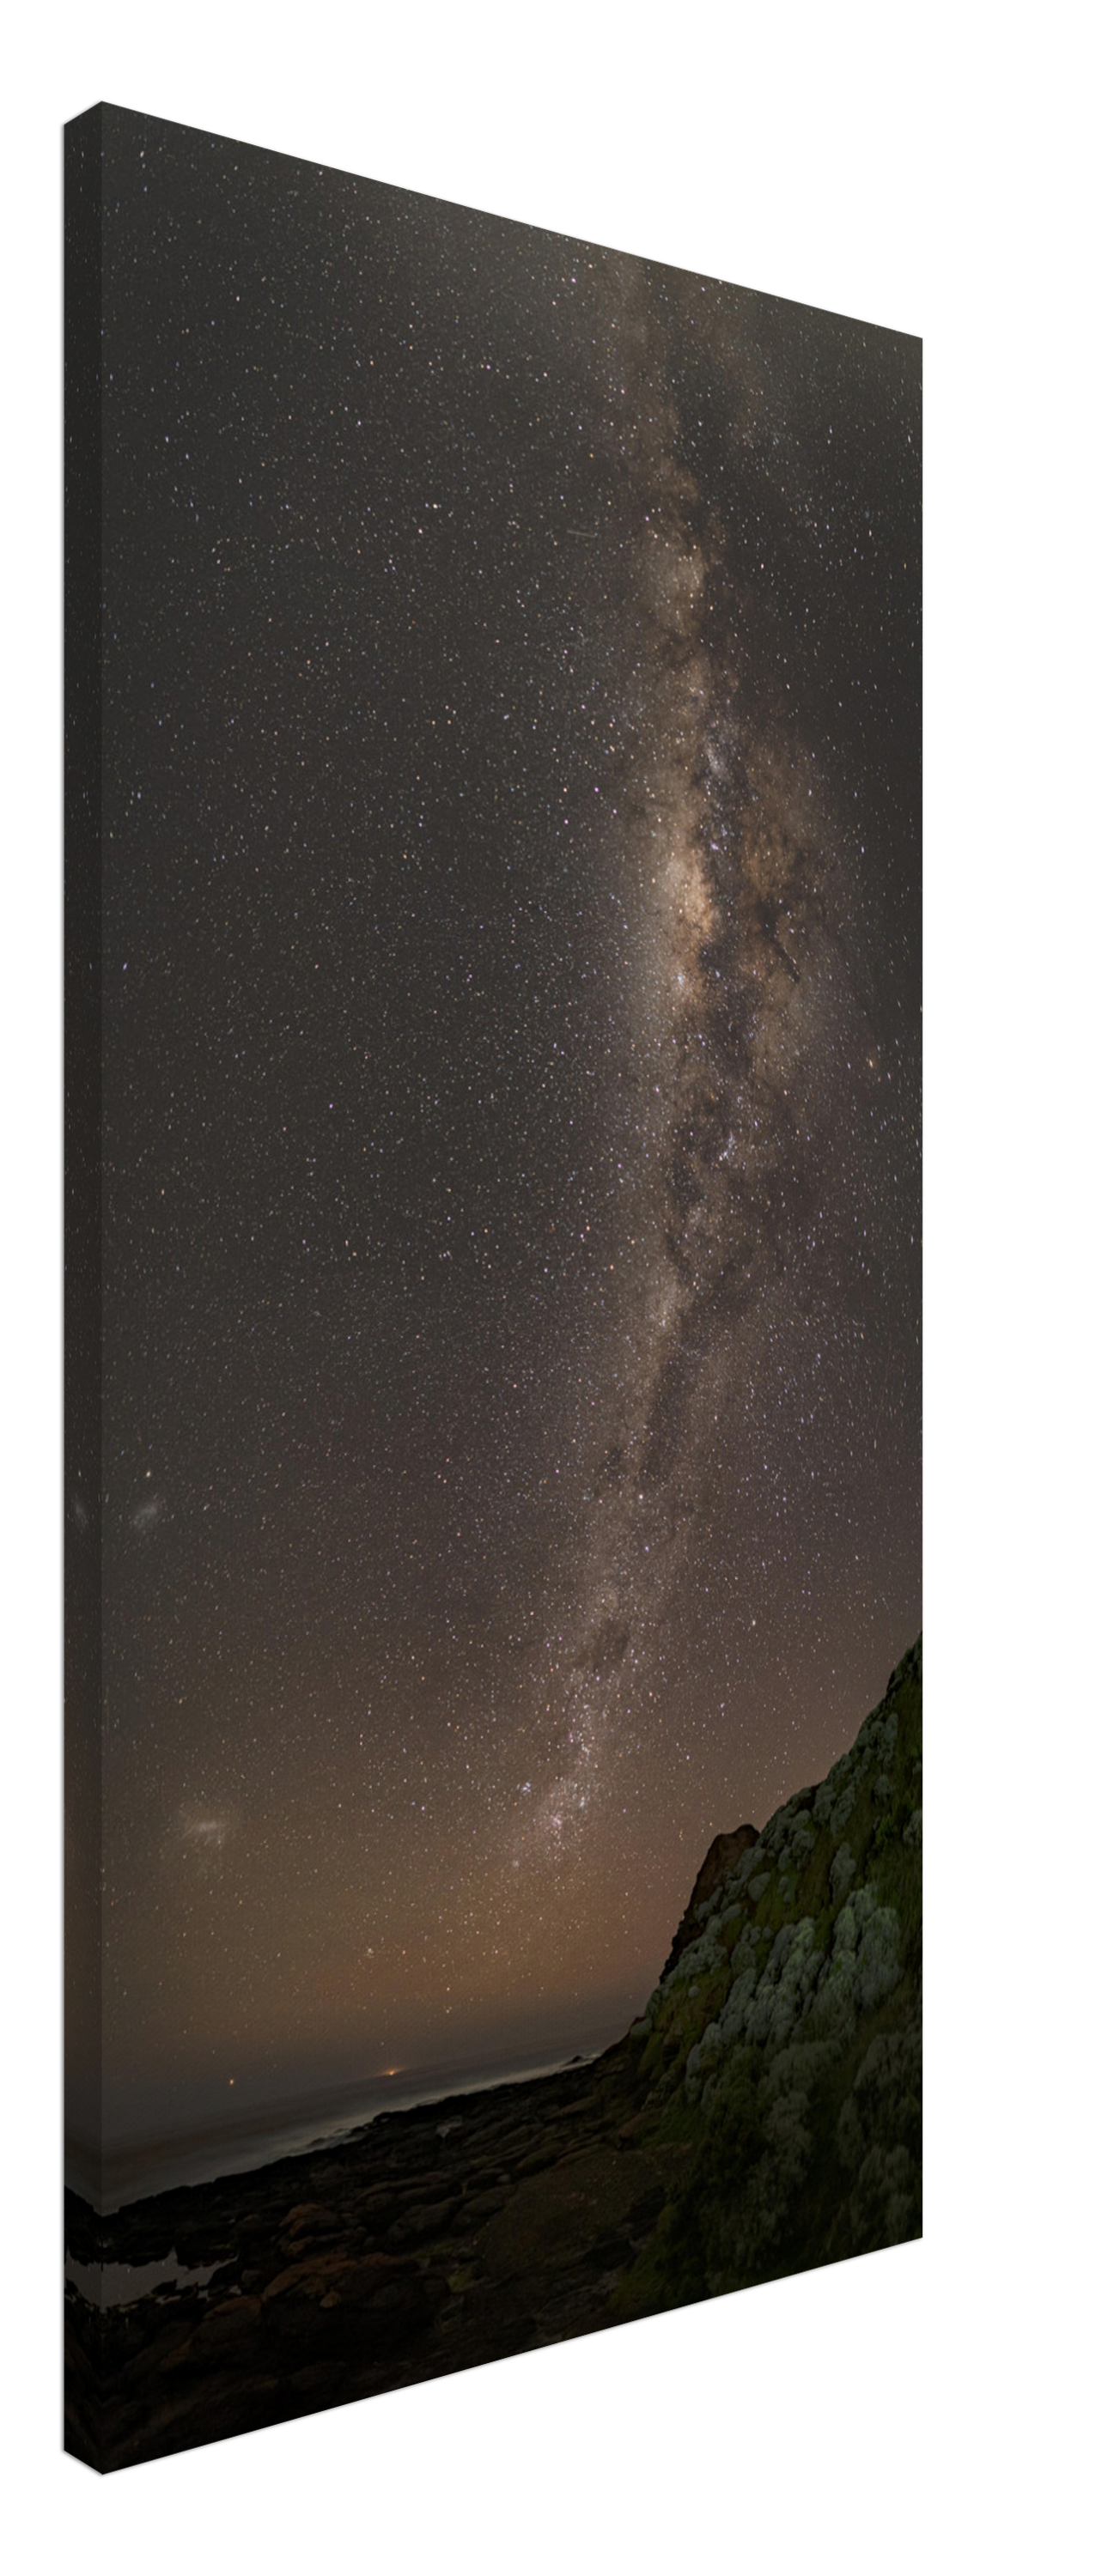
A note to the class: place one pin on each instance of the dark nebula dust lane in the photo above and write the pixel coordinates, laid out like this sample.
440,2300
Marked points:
511,909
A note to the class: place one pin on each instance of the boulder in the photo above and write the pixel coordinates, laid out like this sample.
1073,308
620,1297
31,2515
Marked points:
333,2301
428,2219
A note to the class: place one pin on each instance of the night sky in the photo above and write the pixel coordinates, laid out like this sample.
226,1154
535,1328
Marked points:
511,1093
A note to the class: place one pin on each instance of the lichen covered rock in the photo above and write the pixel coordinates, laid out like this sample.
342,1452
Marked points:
784,2046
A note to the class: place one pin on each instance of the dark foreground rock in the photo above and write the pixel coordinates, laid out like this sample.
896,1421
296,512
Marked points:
761,2117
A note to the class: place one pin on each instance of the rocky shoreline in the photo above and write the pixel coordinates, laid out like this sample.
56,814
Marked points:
761,2116
394,2258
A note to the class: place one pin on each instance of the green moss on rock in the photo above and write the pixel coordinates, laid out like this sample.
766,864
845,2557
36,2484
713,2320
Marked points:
786,2040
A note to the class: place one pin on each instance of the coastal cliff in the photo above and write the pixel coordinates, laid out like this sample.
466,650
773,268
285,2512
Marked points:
760,2117
783,2045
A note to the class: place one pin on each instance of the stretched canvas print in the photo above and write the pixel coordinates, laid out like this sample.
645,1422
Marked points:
493,1752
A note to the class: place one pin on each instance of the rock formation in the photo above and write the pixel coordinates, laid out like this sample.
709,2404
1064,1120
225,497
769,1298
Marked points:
761,2116
726,1849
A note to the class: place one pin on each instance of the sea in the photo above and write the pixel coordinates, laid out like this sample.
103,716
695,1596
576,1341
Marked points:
135,2172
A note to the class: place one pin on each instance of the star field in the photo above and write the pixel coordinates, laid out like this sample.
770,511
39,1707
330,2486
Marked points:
511,911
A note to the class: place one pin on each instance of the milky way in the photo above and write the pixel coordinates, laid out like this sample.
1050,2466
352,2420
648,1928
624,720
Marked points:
740,985
510,993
